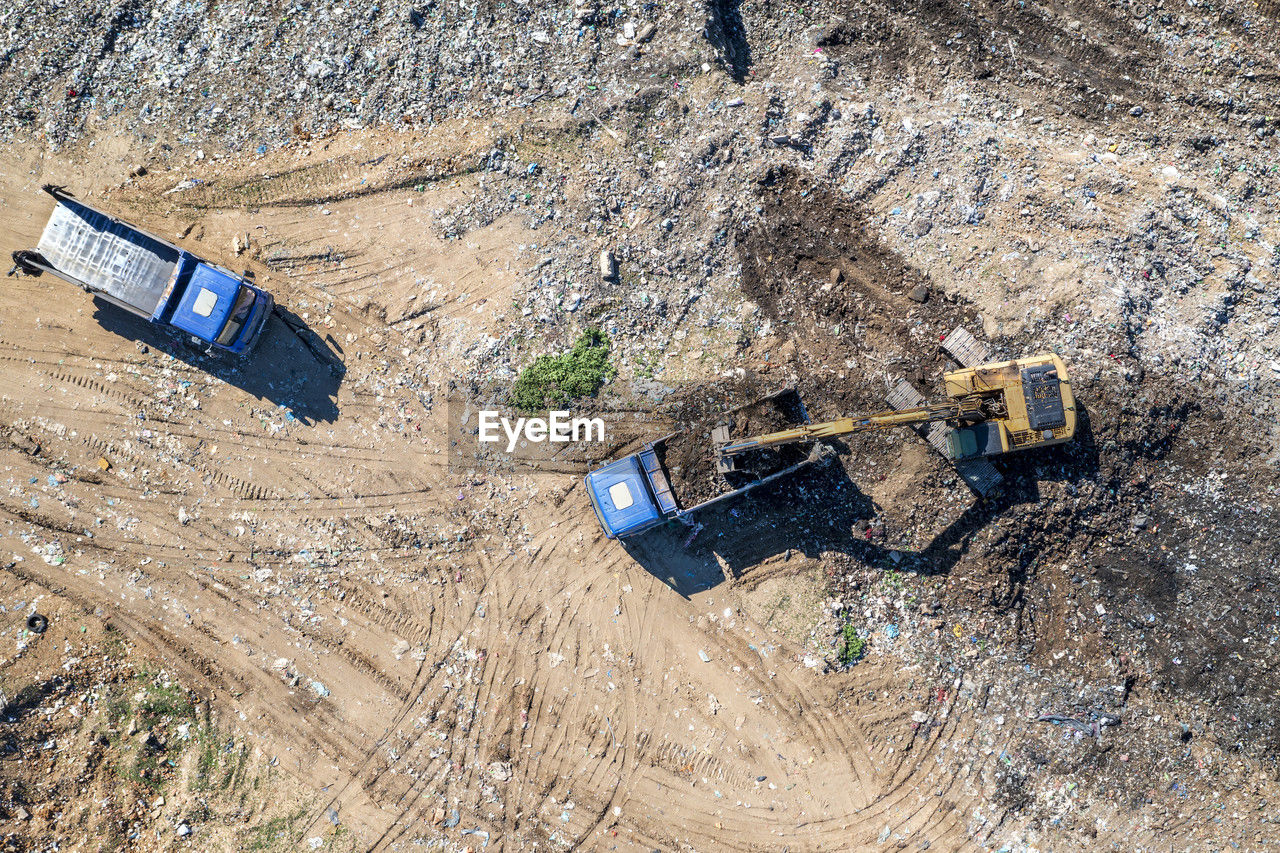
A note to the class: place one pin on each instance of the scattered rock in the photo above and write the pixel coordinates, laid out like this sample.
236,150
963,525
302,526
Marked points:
608,265
27,445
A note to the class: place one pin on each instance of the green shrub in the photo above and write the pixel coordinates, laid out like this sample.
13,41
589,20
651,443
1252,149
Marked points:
851,645
556,379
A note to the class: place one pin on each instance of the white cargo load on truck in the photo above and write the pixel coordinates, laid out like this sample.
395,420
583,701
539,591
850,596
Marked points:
106,255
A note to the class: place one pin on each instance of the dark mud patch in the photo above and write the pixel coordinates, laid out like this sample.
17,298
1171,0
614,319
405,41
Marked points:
823,278
747,410
1082,58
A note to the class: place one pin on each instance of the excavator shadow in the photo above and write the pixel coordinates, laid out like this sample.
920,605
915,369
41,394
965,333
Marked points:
292,367
1024,477
822,511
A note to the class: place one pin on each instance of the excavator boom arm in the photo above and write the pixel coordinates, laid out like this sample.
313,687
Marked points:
967,408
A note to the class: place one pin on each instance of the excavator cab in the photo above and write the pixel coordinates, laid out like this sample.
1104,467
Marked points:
1029,404
982,439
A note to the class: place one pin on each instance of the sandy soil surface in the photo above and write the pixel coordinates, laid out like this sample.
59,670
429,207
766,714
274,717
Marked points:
397,652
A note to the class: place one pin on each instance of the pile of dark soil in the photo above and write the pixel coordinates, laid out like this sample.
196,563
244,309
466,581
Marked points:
689,456
820,273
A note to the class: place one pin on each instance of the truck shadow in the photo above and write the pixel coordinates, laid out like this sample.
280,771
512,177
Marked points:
814,511
292,367
822,512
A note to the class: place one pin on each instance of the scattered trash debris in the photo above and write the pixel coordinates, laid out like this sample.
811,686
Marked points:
1092,729
480,833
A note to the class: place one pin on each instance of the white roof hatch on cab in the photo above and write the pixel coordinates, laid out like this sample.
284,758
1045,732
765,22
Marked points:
205,302
621,496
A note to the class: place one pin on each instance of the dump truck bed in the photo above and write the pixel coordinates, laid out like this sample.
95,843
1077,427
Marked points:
675,476
689,457
815,453
104,254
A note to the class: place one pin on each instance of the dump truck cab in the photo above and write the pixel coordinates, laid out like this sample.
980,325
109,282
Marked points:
217,306
622,496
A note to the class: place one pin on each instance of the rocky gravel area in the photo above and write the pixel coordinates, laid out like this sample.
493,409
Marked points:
1154,218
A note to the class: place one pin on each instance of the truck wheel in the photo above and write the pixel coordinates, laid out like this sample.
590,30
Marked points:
37,624
26,261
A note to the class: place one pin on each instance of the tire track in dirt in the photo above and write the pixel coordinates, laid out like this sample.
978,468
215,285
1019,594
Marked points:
483,693
250,492
96,387
629,735
560,744
612,726
834,740
361,664
423,679
655,755
466,292
194,666
593,729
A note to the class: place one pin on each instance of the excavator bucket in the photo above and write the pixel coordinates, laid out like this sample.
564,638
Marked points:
781,410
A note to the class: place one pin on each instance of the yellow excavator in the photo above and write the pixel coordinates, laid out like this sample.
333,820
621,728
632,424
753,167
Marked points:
990,409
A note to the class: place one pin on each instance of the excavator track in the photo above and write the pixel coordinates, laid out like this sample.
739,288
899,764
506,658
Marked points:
979,474
967,350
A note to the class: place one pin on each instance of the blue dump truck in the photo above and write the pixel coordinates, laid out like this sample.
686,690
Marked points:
678,475
143,274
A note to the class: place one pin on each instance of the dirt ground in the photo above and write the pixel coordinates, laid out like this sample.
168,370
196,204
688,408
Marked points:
284,615
104,749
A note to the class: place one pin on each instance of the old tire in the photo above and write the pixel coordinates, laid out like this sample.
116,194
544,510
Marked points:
37,624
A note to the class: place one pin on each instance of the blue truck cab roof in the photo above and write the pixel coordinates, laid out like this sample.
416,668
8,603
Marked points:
620,495
207,300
